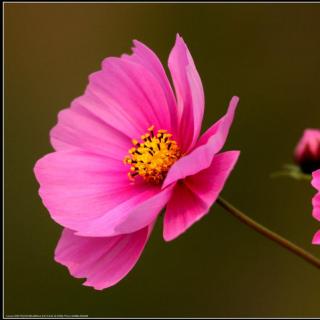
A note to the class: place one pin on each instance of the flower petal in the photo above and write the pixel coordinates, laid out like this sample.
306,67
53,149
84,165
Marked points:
316,179
316,238
316,206
122,101
147,58
189,93
103,261
221,128
193,197
209,144
128,216
316,199
81,189
79,127
134,91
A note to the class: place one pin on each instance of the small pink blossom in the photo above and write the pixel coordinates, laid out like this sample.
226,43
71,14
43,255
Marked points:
316,203
125,149
307,152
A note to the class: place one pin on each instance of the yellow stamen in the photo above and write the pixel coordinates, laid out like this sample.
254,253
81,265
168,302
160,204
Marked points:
135,142
153,157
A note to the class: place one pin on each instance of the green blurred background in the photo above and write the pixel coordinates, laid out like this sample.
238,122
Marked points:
269,55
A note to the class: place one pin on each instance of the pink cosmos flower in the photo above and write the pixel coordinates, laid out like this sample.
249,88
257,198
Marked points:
106,186
307,152
316,203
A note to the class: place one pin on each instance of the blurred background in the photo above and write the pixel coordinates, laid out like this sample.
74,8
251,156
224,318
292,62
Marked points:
268,55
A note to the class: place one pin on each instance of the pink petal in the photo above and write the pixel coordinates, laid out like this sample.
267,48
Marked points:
221,128
209,144
189,93
79,127
316,238
316,203
121,101
316,199
81,189
134,90
193,197
316,206
147,58
128,216
103,261
316,179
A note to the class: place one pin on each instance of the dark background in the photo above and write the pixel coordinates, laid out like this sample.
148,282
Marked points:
268,55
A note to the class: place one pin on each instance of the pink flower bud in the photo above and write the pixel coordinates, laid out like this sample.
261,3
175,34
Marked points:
307,152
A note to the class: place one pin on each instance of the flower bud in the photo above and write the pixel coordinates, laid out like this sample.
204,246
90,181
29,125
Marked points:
307,152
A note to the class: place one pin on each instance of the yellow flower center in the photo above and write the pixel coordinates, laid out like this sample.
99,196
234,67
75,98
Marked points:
153,157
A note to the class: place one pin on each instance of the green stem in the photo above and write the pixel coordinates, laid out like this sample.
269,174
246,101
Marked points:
269,234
